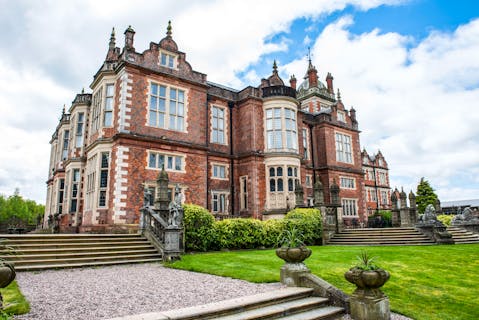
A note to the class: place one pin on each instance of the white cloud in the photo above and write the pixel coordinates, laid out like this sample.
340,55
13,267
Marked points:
417,105
53,48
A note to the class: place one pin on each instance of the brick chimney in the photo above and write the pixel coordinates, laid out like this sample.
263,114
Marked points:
129,35
312,75
292,82
329,83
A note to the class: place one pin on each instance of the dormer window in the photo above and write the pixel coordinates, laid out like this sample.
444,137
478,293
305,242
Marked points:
341,116
167,60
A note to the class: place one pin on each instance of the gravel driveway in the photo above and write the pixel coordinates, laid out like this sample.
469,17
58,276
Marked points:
107,292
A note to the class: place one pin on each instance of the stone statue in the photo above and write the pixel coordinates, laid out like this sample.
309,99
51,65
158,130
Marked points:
174,217
467,216
429,215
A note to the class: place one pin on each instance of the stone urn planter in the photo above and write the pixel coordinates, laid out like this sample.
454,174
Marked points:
7,274
367,279
368,302
293,255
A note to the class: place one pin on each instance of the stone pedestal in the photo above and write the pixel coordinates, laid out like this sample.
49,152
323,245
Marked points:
395,219
364,307
405,216
291,273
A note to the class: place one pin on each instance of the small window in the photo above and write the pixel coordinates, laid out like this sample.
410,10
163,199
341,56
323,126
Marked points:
219,171
347,183
170,162
167,60
341,116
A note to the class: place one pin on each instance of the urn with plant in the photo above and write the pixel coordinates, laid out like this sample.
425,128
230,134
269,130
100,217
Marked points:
291,246
367,276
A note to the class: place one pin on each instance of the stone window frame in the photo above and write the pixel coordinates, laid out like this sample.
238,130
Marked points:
220,194
108,104
350,207
341,116
224,130
306,148
168,103
284,130
219,165
65,143
308,181
170,57
384,197
90,188
347,182
103,187
151,185
75,190
79,129
243,192
342,153
97,98
173,155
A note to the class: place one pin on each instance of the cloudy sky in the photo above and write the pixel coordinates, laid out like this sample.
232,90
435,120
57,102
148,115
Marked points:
409,68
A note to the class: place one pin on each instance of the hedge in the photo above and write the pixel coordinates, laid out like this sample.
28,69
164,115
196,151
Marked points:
203,233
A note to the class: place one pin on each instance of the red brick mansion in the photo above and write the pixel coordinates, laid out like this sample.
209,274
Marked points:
235,152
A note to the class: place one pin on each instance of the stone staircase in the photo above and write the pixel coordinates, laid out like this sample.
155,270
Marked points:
287,304
460,235
375,237
49,251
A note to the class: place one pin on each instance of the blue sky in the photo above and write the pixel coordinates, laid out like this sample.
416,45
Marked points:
409,68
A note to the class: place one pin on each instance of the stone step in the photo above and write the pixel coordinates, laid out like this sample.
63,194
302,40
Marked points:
35,252
55,255
278,310
87,259
382,243
68,240
216,310
60,265
328,312
75,245
342,236
463,236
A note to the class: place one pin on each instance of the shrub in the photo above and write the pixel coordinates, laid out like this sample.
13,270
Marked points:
239,233
308,222
199,232
445,218
272,230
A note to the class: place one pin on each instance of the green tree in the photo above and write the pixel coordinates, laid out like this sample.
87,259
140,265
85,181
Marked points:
16,211
425,195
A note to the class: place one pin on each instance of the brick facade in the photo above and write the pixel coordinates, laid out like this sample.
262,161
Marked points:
236,152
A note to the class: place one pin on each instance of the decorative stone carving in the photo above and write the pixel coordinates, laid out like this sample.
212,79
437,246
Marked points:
432,227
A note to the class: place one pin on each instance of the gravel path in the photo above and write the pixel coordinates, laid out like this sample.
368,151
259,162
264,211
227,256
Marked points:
107,292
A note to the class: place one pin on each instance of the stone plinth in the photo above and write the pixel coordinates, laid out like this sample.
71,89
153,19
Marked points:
364,307
291,273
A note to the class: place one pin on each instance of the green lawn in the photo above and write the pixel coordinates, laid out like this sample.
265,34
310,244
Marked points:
13,301
427,282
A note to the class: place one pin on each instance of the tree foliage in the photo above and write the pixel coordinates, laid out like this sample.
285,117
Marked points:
425,195
19,212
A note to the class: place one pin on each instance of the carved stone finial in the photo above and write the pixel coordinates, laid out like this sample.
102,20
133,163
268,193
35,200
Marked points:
112,38
275,67
168,29
63,110
339,95
83,90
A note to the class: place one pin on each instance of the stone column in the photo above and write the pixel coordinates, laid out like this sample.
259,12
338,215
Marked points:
396,222
404,210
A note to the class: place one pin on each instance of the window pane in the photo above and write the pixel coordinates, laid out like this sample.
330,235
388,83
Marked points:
161,161
280,184
181,96
108,119
178,163
154,89
109,104
103,178
153,102
173,94
152,121
272,185
170,162
279,170
271,172
290,185
162,91
152,161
